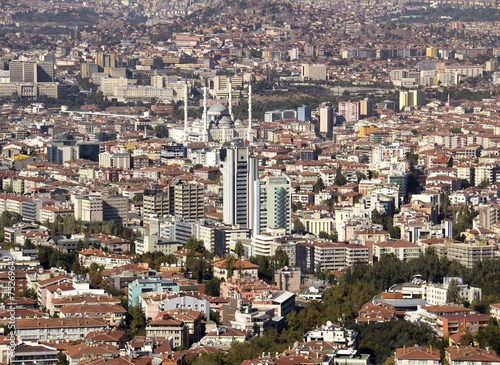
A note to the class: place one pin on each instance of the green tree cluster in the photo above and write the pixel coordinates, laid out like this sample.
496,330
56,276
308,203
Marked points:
340,179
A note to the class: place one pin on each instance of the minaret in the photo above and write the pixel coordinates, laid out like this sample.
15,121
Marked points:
231,99
185,110
205,116
250,132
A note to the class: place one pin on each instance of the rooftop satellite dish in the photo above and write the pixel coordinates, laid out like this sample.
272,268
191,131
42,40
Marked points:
329,324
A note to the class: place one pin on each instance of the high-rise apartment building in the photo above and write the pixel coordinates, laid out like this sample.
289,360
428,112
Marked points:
326,118
304,113
238,170
189,201
366,107
157,204
349,110
411,98
183,200
272,199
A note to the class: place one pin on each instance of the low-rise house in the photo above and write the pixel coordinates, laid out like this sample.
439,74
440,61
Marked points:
89,299
282,302
223,337
240,268
449,324
168,327
111,314
464,355
57,328
108,337
417,355
92,255
90,352
376,313
249,288
36,353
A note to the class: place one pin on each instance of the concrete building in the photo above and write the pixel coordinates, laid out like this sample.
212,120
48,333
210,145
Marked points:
157,204
304,113
349,110
88,208
333,256
114,208
314,72
326,118
288,279
169,327
272,201
189,201
411,98
468,254
153,284
238,173
417,354
57,328
366,108
186,301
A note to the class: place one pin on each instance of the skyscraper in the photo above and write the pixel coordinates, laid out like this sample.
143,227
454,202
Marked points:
366,107
238,173
326,119
271,198
349,110
304,113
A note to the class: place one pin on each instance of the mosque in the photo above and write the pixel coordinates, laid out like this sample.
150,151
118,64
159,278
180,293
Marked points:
217,123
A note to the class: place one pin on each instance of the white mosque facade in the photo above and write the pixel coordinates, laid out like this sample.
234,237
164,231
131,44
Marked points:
217,124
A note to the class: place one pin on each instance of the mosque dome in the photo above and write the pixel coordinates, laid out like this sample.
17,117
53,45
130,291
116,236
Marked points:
225,121
218,109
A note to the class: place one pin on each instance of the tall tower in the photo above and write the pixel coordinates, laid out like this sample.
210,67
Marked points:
250,132
272,199
231,99
185,110
238,173
205,115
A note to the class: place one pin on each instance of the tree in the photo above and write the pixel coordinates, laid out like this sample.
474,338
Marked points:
323,234
212,287
376,217
138,198
76,268
298,225
161,131
296,206
340,179
484,183
466,339
280,258
136,322
230,266
195,245
319,186
61,358
453,292
28,244
444,205
489,336
29,293
238,249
